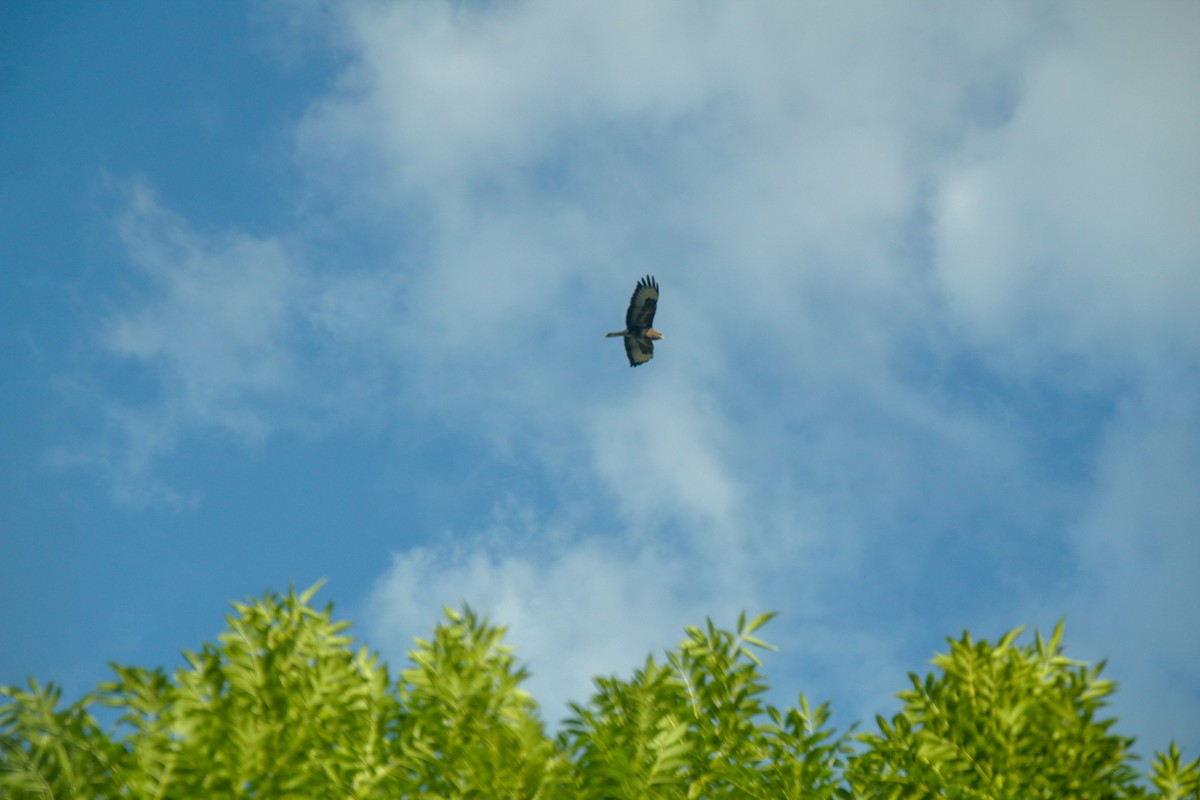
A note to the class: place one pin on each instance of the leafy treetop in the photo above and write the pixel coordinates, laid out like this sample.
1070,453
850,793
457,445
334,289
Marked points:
284,705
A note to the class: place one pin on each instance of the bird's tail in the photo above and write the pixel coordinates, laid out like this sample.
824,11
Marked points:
617,333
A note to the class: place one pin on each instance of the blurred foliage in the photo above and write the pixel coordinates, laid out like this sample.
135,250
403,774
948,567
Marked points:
285,706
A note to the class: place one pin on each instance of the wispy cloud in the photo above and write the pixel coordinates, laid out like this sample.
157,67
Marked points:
214,322
1065,232
203,340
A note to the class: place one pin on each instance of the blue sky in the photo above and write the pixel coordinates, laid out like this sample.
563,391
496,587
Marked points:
296,290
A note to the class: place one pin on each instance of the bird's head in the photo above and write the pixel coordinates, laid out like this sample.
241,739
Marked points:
653,334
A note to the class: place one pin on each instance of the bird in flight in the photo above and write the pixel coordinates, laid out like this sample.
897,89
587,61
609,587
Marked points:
638,334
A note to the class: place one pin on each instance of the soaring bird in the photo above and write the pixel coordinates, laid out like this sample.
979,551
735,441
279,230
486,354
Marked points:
639,336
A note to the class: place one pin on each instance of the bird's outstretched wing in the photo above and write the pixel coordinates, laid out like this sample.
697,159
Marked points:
640,349
642,306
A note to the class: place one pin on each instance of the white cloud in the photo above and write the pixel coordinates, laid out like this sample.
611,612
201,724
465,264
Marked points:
204,339
216,325
660,454
1069,230
598,607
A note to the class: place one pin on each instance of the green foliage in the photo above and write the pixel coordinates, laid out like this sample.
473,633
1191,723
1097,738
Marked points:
1174,779
695,727
467,729
285,706
47,752
1000,722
